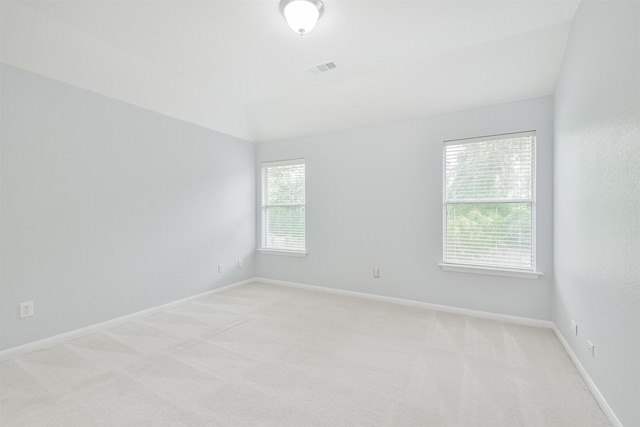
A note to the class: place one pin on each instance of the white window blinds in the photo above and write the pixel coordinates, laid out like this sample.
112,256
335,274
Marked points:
489,201
283,206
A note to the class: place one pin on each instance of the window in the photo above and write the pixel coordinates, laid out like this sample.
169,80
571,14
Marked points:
489,202
283,206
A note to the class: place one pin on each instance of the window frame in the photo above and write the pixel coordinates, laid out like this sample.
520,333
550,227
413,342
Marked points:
529,273
261,248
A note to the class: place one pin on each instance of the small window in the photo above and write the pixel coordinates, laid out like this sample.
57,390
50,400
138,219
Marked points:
489,202
283,206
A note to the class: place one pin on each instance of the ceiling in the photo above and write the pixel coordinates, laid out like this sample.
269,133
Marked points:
236,67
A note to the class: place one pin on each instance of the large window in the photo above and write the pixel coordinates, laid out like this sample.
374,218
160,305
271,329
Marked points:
489,202
283,206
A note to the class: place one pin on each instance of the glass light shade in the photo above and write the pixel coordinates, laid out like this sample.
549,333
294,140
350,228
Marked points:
301,15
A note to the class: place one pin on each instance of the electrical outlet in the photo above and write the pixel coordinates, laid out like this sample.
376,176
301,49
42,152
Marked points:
26,309
219,268
574,327
376,273
591,348
240,263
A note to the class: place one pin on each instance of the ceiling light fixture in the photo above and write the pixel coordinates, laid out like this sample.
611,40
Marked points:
301,15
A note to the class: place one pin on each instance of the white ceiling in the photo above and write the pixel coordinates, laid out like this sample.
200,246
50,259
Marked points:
236,67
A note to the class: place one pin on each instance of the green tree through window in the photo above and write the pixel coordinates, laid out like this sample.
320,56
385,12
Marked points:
283,206
489,197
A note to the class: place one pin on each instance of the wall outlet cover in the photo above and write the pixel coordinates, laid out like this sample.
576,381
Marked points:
26,309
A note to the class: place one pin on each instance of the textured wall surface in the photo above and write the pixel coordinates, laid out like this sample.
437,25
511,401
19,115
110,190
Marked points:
597,199
374,199
108,209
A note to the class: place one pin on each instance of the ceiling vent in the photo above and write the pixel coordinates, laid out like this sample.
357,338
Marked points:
322,68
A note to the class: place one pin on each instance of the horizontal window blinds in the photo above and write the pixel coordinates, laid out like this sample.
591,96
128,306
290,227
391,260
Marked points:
283,206
489,197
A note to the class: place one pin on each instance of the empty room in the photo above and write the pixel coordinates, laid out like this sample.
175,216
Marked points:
320,213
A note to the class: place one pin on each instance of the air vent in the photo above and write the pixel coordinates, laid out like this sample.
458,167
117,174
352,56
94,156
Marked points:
322,68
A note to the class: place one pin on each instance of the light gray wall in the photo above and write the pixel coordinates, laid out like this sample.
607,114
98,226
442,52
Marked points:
374,199
597,199
108,209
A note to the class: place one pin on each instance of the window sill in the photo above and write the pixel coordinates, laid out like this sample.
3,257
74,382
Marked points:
492,271
281,252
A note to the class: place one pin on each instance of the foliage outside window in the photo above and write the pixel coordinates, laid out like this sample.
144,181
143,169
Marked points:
283,206
489,202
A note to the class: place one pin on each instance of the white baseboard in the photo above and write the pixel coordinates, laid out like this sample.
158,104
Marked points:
436,307
587,379
50,341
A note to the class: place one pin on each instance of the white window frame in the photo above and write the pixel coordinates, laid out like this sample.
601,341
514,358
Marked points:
261,248
529,273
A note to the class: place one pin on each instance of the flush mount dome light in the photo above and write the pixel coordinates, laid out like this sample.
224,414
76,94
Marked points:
301,15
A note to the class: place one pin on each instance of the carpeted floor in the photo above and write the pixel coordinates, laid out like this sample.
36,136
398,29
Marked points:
262,355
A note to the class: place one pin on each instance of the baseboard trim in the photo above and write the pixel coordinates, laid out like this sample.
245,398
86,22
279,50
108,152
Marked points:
587,379
55,339
436,307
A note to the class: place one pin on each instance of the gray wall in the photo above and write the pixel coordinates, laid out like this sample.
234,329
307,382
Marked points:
108,209
597,199
374,199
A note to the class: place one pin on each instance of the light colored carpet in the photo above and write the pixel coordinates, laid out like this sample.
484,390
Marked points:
272,356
